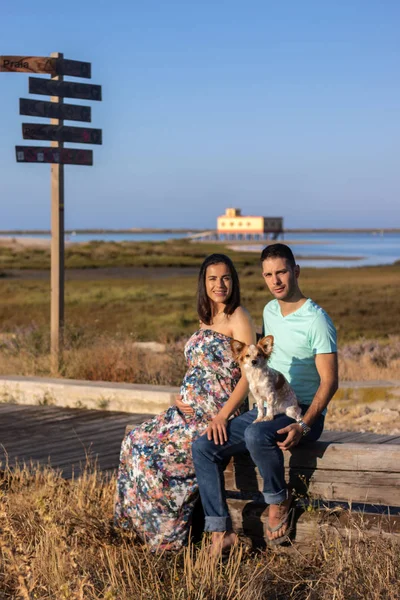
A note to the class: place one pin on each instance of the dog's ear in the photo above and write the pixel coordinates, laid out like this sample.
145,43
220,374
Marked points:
237,347
267,344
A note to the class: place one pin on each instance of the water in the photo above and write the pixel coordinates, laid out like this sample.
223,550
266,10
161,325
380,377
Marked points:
360,249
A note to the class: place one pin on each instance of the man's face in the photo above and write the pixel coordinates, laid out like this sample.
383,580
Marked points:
280,277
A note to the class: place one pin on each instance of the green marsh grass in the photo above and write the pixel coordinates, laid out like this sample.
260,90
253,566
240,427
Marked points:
104,316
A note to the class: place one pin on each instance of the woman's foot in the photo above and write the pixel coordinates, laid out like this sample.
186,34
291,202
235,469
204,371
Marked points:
279,521
222,541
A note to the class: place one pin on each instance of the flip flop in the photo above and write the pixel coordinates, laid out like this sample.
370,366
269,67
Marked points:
289,519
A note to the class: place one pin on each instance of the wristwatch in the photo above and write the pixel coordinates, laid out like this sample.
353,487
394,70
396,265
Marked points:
306,429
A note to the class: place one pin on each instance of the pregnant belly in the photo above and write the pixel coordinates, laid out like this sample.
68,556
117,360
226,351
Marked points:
205,390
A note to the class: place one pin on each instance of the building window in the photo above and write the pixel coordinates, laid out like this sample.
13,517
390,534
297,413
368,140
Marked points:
223,224
231,223
240,223
248,224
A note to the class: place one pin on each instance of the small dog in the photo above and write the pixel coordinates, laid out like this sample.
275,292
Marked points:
266,384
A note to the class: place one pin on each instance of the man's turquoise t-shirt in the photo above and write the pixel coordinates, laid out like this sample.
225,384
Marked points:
298,337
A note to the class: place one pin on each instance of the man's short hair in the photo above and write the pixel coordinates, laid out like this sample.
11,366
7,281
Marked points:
278,251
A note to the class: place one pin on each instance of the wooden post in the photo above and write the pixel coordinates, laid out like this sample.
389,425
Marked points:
57,248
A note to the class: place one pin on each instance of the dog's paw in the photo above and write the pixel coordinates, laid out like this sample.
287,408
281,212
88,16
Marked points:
258,420
267,418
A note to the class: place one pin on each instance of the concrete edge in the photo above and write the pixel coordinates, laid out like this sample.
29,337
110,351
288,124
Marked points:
125,397
128,398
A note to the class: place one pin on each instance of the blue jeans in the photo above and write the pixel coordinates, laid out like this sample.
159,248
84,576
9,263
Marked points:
260,440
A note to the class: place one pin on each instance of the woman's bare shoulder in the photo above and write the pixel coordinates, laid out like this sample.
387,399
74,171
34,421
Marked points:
241,314
242,326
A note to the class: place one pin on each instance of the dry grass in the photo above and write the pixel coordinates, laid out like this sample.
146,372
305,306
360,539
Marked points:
57,542
114,357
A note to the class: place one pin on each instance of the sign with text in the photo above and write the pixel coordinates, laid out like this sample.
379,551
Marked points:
46,65
61,133
64,89
62,156
28,64
53,110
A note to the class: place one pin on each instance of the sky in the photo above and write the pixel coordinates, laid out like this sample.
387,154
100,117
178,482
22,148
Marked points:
285,109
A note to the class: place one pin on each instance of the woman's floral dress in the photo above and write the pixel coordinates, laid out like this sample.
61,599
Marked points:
156,487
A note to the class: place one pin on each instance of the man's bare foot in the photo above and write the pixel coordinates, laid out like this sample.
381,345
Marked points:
278,515
221,542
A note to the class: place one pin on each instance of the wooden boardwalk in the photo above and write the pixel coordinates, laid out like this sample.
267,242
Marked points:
64,437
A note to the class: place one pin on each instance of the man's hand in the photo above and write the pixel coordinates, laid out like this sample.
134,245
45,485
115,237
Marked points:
184,408
217,430
294,435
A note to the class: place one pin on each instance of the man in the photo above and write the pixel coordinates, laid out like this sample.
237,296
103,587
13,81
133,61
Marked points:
305,352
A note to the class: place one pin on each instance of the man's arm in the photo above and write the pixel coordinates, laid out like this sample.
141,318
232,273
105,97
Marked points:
327,367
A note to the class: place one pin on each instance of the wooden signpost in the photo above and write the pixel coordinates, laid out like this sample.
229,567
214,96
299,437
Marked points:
57,155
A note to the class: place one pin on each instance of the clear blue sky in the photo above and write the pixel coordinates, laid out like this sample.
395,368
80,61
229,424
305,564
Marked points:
279,108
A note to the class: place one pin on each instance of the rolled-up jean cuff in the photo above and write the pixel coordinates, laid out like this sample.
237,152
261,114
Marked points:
218,524
275,498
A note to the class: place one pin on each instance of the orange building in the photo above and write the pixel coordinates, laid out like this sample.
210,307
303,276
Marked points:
235,225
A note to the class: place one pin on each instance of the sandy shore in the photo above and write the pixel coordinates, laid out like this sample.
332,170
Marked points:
19,243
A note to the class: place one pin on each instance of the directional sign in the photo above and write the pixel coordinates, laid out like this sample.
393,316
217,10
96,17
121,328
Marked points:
64,156
28,64
64,89
61,133
53,110
73,68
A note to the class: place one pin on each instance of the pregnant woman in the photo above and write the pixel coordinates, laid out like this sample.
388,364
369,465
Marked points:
156,486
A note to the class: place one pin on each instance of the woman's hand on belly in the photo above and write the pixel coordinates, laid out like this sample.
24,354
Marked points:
184,408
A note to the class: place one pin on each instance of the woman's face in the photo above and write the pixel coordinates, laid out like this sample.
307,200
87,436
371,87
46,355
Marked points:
218,283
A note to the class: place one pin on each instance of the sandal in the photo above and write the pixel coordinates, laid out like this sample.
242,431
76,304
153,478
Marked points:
289,519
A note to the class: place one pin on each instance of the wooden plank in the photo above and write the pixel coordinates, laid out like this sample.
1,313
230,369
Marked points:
391,439
354,437
371,487
332,436
68,432
44,154
51,110
64,89
73,68
64,133
338,457
52,441
28,64
346,457
353,493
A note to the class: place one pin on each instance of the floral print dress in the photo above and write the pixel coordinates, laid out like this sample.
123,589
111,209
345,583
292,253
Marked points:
156,486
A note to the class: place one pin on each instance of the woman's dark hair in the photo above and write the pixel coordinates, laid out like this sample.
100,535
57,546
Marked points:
278,251
203,301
